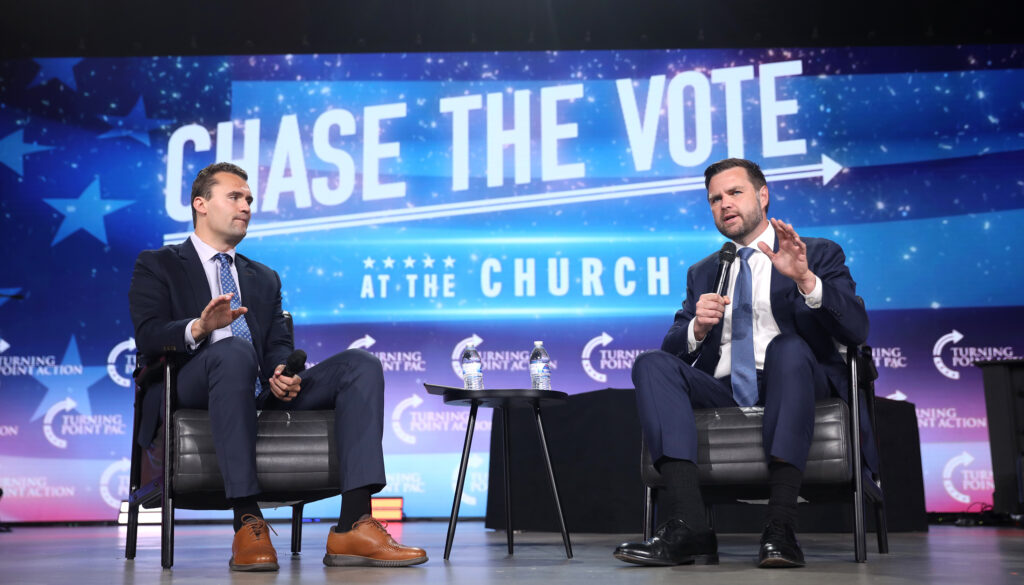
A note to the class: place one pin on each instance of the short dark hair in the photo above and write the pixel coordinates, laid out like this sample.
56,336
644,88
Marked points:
203,185
753,172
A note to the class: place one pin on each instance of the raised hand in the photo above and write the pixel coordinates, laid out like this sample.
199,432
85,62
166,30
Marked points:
218,313
791,259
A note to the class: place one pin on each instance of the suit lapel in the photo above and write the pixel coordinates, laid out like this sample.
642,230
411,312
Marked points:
192,265
781,289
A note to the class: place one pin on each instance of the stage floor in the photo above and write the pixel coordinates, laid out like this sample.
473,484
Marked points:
94,555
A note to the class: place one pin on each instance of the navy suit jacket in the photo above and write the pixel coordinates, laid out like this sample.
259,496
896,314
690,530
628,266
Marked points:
169,289
841,316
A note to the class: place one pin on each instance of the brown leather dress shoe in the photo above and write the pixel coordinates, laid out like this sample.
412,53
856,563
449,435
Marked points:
251,550
368,544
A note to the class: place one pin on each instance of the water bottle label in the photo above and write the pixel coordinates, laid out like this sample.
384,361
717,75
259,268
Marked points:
540,369
470,369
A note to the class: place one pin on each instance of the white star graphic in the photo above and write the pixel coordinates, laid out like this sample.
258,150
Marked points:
449,262
389,262
428,262
368,263
409,262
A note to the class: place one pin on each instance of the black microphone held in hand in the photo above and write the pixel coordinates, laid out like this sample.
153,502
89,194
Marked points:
295,363
725,259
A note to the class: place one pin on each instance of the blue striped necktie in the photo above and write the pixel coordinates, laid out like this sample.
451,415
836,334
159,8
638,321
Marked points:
744,369
239,328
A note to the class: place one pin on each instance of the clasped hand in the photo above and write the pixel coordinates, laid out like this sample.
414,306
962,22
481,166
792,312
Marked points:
286,388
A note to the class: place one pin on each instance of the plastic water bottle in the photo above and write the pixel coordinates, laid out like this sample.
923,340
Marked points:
472,369
540,367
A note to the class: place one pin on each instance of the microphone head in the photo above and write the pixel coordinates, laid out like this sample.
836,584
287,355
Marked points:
728,253
296,362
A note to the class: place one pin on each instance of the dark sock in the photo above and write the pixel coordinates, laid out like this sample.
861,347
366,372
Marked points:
354,504
243,506
784,481
681,496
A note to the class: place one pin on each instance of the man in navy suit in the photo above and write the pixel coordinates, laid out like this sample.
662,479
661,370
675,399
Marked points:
221,313
802,302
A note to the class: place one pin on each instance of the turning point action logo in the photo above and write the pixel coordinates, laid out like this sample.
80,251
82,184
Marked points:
964,356
429,421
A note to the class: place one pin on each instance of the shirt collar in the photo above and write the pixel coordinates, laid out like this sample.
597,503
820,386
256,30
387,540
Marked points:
207,252
767,236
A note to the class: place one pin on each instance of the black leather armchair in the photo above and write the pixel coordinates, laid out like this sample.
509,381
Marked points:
296,462
732,466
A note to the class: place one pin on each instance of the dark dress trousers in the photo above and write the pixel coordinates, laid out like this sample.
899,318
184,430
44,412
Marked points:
169,288
802,363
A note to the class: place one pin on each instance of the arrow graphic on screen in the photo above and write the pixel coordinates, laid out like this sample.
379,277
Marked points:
396,418
953,336
64,405
827,169
964,459
603,340
363,342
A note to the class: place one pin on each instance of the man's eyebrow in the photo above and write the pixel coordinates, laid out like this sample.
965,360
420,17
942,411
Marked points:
726,190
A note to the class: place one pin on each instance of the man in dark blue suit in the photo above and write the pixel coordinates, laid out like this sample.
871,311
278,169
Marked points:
783,354
221,312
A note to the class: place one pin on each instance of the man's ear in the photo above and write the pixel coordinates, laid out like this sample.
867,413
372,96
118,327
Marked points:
199,204
762,196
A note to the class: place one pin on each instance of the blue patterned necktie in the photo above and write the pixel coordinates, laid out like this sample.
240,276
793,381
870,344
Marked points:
744,372
239,328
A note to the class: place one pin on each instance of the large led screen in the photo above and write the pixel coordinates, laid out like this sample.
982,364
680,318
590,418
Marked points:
416,203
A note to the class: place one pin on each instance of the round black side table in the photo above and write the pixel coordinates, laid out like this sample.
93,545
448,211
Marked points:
501,399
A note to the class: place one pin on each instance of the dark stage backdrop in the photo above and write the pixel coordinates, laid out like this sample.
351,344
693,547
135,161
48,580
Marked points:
414,203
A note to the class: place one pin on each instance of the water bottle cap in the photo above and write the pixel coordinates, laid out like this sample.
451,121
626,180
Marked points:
538,343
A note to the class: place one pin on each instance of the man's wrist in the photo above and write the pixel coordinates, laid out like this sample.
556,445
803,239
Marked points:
807,283
197,330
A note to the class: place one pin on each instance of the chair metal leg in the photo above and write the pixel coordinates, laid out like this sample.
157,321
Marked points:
297,528
554,484
462,480
859,537
508,476
133,531
881,528
859,533
648,512
167,501
167,533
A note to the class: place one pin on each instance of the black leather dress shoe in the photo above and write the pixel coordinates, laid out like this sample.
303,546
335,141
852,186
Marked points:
779,547
674,543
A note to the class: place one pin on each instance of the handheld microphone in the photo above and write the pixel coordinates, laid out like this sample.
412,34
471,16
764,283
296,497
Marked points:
295,363
726,257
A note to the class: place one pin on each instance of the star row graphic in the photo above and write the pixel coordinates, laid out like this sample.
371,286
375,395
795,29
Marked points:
409,262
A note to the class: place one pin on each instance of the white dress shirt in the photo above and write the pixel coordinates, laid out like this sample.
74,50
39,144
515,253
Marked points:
765,327
211,266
